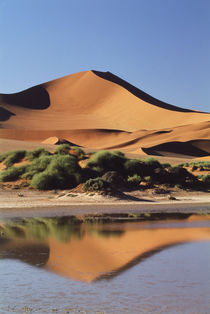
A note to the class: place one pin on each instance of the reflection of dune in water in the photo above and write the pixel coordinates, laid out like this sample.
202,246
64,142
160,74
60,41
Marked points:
93,258
93,252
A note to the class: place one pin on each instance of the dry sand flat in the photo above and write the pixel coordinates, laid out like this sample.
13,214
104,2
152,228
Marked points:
99,110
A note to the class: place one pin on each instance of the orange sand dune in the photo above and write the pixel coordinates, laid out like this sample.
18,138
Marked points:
99,110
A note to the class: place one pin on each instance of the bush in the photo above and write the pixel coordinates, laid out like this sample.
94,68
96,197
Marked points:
179,175
106,161
36,153
166,165
78,152
95,185
114,179
63,171
13,157
134,181
44,181
88,173
62,149
206,180
38,165
152,163
135,166
12,173
3,156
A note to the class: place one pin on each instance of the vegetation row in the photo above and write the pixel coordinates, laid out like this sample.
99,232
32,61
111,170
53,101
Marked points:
68,166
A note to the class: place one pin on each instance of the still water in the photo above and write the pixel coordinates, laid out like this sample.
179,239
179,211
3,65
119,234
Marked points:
52,265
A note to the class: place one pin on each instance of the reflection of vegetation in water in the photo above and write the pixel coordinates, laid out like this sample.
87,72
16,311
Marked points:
106,233
61,229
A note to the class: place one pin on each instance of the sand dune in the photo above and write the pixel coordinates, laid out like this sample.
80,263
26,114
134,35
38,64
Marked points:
99,110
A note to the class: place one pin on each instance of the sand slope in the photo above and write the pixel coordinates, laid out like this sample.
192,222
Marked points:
100,110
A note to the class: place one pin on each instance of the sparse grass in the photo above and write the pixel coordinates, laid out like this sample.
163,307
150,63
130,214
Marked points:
36,153
13,157
62,149
105,161
134,181
78,152
63,171
95,185
12,173
198,164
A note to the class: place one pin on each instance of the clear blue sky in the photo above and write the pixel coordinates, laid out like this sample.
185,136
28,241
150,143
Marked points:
160,46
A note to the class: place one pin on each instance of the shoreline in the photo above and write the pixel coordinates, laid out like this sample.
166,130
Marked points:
29,204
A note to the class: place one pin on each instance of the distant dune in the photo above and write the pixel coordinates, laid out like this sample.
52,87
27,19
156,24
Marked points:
98,110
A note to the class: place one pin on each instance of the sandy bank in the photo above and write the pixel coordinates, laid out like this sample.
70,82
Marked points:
35,203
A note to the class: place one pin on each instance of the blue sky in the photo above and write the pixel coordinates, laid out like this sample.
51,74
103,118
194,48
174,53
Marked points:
160,46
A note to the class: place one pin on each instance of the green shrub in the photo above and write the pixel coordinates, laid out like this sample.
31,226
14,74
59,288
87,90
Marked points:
114,179
119,153
3,156
135,166
148,179
78,152
12,173
95,185
62,149
38,165
166,165
46,181
106,161
13,157
206,180
152,163
36,153
63,171
134,181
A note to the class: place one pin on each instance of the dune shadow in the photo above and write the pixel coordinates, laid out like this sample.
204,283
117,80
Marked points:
181,148
33,98
137,92
5,114
123,196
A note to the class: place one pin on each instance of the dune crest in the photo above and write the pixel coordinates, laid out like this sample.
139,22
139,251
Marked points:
100,110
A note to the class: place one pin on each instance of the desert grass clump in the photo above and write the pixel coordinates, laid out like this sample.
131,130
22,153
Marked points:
206,180
114,178
36,153
104,161
62,172
13,157
152,163
38,165
95,185
135,166
62,149
12,173
78,152
134,181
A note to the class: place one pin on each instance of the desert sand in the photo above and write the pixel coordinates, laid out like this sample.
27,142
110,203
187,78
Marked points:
98,110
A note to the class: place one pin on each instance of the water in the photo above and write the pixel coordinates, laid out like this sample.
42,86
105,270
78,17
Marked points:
53,266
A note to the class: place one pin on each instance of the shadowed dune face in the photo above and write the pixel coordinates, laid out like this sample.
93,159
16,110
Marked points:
99,110
5,114
186,148
139,93
33,98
